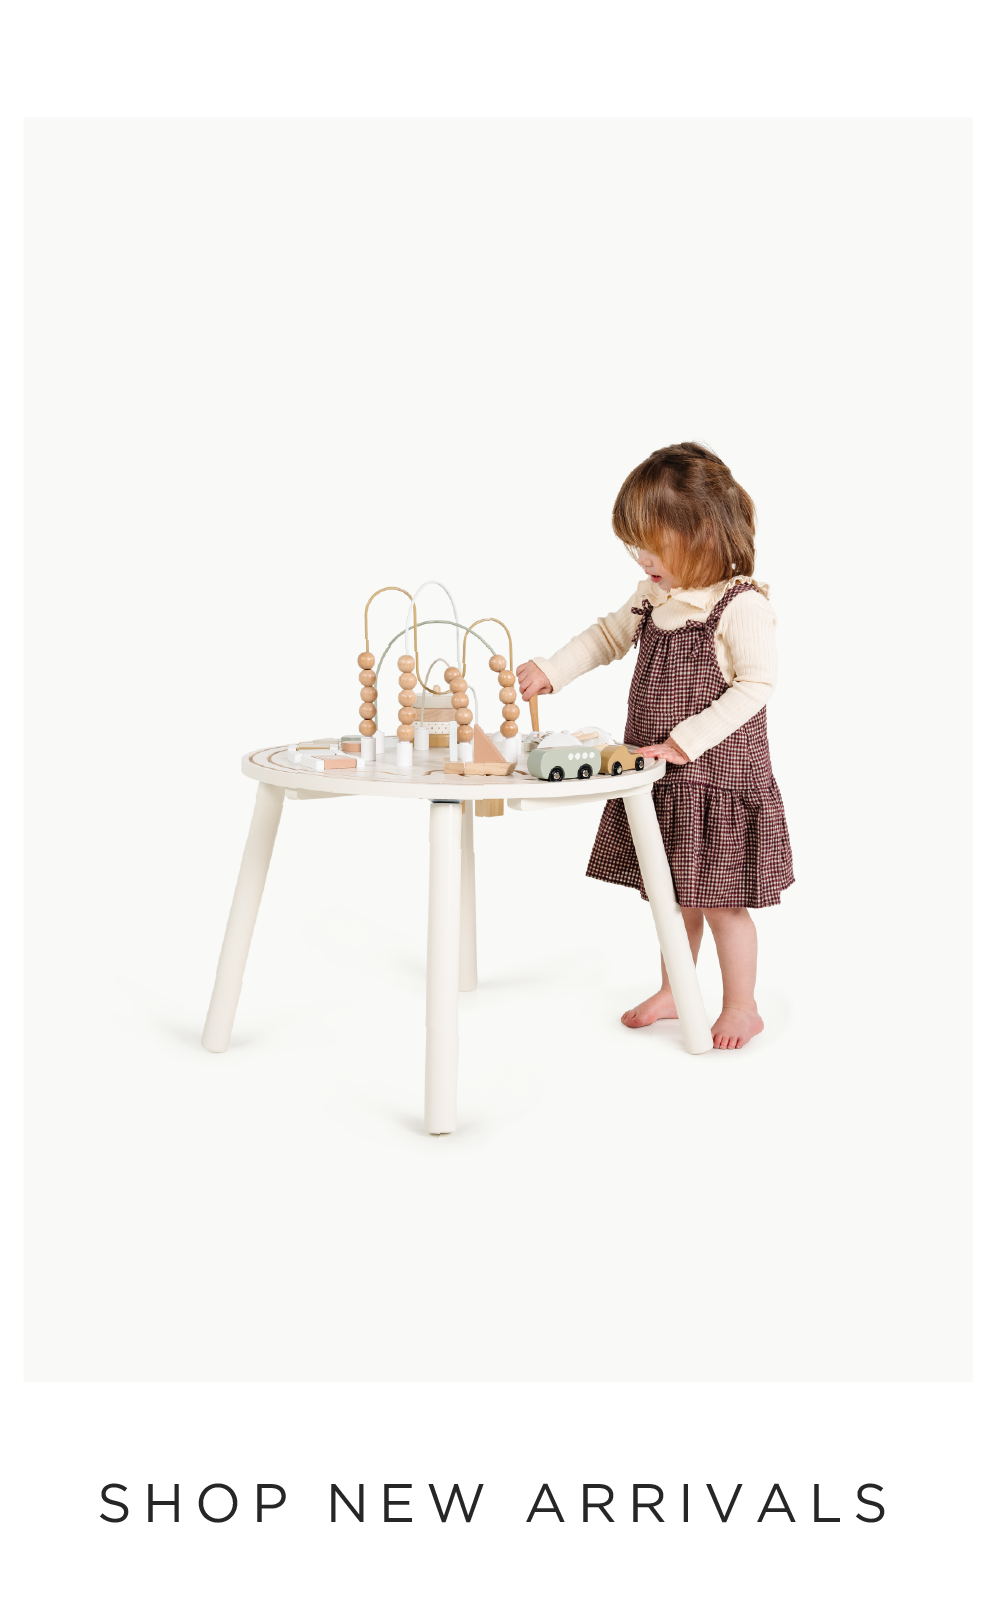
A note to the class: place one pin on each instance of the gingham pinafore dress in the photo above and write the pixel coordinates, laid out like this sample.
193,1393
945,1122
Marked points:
721,816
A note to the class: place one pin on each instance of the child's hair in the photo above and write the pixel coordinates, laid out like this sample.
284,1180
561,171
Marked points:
684,505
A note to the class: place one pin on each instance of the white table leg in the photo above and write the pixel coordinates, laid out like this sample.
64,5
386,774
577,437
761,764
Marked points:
242,917
468,916
443,967
672,937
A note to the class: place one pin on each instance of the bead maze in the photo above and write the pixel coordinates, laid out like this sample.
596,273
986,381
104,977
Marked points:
428,717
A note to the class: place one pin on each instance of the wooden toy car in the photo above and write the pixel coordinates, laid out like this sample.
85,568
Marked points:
552,763
621,757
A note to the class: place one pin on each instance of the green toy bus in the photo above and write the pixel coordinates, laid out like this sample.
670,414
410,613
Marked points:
553,765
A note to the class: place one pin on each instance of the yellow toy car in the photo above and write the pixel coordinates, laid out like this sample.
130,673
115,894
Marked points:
621,757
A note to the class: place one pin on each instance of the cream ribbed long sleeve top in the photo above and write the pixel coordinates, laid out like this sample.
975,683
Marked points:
745,643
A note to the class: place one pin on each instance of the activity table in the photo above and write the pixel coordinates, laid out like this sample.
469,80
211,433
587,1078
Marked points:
451,950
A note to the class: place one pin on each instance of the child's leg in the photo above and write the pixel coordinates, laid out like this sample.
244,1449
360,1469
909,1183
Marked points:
662,1004
737,950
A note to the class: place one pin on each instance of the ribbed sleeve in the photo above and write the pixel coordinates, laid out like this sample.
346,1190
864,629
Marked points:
606,640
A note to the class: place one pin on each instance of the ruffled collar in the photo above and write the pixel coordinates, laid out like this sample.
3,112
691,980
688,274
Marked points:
702,598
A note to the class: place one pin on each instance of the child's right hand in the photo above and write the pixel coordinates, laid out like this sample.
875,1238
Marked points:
531,681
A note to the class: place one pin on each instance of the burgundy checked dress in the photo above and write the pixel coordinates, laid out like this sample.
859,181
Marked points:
721,816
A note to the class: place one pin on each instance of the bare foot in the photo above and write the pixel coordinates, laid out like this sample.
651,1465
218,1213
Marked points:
734,1027
656,1006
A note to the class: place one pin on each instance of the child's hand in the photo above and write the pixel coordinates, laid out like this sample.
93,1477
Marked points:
667,751
531,681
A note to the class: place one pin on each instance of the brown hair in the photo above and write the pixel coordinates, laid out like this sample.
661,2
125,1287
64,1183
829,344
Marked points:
684,505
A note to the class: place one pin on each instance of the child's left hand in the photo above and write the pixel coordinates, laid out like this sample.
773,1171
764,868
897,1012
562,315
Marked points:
667,751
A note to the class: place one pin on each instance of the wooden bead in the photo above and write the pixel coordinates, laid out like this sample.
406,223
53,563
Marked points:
507,679
406,735
450,672
507,695
458,685
496,663
460,701
370,694
511,713
365,661
508,729
406,717
406,680
368,711
367,729
407,696
406,662
463,718
367,678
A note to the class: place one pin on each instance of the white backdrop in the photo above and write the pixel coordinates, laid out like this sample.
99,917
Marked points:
274,365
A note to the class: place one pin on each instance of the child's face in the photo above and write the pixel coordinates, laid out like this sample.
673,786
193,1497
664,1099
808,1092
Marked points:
655,569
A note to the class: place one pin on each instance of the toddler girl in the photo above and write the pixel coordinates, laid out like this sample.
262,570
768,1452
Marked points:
705,667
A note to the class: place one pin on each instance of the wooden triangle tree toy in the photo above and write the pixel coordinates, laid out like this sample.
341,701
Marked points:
484,749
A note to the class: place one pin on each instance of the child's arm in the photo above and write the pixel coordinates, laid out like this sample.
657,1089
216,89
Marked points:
609,638
747,633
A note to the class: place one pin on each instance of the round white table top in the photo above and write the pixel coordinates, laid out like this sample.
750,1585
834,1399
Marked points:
426,779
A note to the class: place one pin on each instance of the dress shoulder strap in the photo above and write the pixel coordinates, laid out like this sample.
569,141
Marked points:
726,597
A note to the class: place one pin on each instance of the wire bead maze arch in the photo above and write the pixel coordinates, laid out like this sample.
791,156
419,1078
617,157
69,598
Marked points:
368,675
457,680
